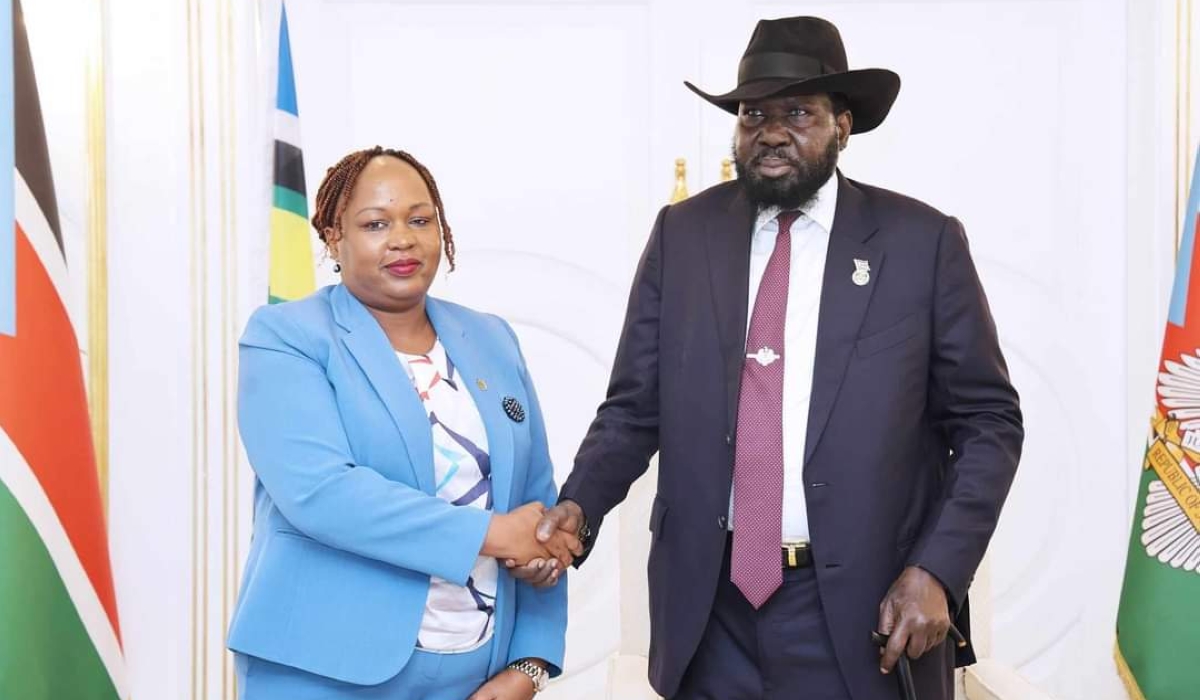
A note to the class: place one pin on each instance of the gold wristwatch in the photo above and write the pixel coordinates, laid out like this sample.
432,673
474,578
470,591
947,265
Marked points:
537,674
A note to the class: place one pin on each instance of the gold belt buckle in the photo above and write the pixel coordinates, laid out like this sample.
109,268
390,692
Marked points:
792,548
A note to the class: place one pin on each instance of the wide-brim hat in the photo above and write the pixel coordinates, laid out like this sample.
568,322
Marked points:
805,55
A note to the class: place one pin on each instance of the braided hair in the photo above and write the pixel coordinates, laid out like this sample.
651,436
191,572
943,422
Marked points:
334,193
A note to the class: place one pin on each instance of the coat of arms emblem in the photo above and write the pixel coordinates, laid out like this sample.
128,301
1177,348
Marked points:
1171,515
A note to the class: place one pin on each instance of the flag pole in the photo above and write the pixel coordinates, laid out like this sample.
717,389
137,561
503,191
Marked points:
97,241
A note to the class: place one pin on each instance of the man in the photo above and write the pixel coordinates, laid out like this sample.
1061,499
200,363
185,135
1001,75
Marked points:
815,363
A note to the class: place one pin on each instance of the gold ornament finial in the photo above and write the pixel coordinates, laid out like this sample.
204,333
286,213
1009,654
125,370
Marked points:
681,192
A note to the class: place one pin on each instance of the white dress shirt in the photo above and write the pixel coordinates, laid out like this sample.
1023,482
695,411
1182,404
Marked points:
810,242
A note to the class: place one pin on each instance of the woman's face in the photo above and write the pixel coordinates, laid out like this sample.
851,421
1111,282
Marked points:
389,245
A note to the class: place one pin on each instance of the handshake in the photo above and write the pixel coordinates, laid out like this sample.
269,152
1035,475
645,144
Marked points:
536,543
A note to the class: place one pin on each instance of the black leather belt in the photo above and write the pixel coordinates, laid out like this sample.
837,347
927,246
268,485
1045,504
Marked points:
797,555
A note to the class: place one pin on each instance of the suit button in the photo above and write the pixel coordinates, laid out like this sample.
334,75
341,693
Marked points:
722,522
728,439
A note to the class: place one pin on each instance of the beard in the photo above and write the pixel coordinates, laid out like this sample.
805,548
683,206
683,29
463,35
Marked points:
793,191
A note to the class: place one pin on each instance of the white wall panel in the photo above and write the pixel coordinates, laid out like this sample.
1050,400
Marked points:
151,346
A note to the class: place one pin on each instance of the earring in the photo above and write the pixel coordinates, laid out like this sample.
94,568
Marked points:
337,267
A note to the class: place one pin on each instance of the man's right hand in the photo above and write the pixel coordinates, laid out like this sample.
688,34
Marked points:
512,537
567,516
563,520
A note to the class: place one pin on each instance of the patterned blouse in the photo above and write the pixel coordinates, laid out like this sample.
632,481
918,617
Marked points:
457,618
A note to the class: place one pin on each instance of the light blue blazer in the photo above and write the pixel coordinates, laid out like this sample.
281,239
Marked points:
347,531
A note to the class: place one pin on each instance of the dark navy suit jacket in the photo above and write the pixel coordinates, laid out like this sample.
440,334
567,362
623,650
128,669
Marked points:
913,436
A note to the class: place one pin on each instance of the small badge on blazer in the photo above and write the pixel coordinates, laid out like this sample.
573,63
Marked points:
862,272
513,409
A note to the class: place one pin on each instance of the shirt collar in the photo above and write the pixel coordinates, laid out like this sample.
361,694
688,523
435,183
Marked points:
820,210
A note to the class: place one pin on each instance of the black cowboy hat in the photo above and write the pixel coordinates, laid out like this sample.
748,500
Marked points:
805,55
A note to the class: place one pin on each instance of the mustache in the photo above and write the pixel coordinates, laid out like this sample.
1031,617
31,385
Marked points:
779,153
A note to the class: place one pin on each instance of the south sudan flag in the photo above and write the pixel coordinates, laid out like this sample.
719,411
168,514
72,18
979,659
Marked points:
59,636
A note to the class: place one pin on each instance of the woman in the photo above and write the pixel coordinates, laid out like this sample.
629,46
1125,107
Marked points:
399,452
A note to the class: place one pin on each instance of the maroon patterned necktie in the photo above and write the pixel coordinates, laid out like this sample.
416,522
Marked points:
757,568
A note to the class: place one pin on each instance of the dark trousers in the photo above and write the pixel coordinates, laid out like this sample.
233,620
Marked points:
781,651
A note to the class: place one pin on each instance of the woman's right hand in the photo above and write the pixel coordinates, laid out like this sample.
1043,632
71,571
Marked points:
512,536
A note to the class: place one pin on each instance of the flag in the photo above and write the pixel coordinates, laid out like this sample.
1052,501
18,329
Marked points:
291,276
59,636
1158,623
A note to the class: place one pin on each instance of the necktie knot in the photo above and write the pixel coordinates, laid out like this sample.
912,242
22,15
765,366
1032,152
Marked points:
786,219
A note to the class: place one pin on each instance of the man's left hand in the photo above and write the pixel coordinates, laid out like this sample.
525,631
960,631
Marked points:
506,685
915,616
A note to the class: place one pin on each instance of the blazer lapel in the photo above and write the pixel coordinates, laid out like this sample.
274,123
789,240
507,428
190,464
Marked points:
471,365
843,303
365,340
727,236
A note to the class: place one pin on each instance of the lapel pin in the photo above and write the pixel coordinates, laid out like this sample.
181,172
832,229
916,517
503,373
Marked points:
862,272
513,409
481,384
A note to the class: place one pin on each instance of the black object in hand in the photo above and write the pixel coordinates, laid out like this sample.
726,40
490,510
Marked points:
904,677
903,670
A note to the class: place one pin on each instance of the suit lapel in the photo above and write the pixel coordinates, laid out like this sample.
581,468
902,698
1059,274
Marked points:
472,365
843,303
366,341
727,239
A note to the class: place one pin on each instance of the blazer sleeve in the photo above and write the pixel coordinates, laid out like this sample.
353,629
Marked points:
540,626
292,430
624,434
975,407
